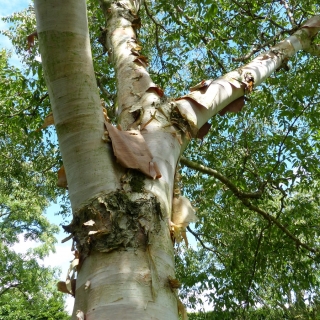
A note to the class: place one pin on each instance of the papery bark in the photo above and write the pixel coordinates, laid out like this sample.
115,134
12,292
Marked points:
211,96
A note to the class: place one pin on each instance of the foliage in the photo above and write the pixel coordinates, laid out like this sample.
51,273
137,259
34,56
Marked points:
26,187
309,313
27,289
269,150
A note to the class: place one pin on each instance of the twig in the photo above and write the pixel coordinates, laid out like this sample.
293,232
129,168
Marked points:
9,287
281,147
159,49
196,235
260,46
255,16
255,261
155,21
203,39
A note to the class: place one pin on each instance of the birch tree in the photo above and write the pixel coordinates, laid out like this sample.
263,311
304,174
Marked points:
122,162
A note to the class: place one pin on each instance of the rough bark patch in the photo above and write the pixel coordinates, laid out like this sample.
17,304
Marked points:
113,221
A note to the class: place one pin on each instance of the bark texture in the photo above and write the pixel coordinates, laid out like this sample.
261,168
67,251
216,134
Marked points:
212,96
66,57
121,220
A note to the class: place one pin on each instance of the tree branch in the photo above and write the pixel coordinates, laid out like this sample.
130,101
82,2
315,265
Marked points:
281,146
289,13
254,267
196,235
203,39
255,16
260,46
9,287
133,79
236,191
155,21
211,96
247,203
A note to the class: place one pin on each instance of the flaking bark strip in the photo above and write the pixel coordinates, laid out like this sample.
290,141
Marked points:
131,151
119,223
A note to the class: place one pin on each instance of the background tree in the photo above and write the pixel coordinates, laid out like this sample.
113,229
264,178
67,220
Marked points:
26,287
257,186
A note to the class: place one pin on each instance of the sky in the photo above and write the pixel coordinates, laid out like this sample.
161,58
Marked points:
8,7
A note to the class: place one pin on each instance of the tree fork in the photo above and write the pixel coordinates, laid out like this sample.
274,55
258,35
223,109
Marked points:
136,264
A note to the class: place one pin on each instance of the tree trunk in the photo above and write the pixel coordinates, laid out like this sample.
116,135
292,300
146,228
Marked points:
122,218
127,253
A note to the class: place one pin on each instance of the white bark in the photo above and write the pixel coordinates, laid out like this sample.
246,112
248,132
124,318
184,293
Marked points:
121,286
128,276
131,283
137,92
200,105
66,57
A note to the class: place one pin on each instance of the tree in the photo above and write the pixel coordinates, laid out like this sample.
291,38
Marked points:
124,220
28,290
26,287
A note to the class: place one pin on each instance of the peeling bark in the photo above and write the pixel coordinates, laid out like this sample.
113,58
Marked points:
212,96
120,221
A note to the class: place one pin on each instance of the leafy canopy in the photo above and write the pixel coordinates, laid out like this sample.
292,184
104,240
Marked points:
27,289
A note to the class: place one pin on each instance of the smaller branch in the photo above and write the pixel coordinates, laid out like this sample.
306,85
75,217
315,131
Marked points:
282,206
270,218
155,21
273,39
32,110
105,92
49,168
289,13
107,96
9,287
159,49
196,235
282,145
185,15
260,46
243,198
255,260
236,191
256,16
46,95
204,40
213,55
